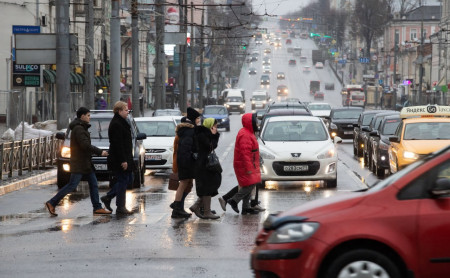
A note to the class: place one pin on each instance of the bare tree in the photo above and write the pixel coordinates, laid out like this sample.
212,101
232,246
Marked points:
370,18
405,6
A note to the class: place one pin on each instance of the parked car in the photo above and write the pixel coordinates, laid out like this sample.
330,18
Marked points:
218,112
393,229
166,112
158,145
297,148
380,144
341,121
361,130
99,122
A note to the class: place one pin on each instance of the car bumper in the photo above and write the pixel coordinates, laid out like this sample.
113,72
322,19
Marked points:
345,133
100,165
324,169
258,105
225,124
299,259
233,108
162,160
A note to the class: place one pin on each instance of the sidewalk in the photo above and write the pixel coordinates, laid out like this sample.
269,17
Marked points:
17,182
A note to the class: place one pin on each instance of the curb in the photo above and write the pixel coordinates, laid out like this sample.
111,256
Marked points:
16,185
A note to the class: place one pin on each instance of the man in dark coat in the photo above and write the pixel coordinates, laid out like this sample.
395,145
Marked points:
81,166
120,159
185,160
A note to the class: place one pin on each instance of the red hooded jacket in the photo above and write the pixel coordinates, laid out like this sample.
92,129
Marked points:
246,154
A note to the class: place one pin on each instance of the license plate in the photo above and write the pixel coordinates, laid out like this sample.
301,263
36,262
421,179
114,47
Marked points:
295,168
101,167
153,157
348,132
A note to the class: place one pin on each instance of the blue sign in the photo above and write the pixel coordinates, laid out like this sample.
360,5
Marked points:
380,81
364,60
26,29
342,61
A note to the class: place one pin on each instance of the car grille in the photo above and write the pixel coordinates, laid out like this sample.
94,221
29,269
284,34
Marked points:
156,162
155,150
313,168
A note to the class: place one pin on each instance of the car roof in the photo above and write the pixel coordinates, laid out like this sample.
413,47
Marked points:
373,111
319,103
346,108
295,117
286,112
214,106
156,118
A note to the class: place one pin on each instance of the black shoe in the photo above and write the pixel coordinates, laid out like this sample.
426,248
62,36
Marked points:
249,211
123,211
233,205
107,202
177,214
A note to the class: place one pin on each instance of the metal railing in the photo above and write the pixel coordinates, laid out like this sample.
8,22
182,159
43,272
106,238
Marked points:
30,154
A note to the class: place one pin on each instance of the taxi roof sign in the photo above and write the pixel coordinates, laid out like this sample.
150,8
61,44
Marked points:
425,111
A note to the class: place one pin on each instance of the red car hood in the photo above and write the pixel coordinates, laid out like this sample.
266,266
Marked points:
317,208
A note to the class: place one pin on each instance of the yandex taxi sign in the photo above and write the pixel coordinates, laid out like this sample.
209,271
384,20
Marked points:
425,111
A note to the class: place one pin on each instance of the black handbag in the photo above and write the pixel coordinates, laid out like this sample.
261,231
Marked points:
213,163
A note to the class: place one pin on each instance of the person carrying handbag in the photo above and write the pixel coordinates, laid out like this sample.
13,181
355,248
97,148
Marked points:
207,181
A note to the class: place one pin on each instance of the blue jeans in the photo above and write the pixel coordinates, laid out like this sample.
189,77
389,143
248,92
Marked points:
74,180
119,189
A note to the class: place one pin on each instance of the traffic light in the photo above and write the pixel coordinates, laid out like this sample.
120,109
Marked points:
244,46
314,35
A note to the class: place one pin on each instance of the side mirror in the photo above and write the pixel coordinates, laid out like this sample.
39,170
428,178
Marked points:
60,135
337,140
374,133
355,125
141,136
441,187
365,129
394,139
333,126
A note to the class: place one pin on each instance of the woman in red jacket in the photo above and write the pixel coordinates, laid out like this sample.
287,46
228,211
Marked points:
246,164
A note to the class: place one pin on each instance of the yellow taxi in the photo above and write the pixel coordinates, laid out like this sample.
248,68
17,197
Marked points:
423,130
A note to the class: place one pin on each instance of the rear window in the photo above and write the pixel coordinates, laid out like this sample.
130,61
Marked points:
346,114
319,107
390,126
234,99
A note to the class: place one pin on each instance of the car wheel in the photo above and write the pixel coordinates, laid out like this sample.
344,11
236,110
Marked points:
228,128
331,183
62,179
362,263
379,171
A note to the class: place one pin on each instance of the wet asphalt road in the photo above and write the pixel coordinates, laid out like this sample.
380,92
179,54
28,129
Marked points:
149,243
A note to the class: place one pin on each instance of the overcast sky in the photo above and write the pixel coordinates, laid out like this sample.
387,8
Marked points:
282,7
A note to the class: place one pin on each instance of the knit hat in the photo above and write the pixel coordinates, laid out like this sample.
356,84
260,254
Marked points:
209,122
192,114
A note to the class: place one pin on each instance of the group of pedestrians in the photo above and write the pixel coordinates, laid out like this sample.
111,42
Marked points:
193,143
119,156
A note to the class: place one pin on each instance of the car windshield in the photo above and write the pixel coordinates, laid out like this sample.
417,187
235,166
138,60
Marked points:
390,126
259,97
215,111
167,113
319,107
264,77
347,114
99,128
157,128
234,99
427,131
294,131
367,119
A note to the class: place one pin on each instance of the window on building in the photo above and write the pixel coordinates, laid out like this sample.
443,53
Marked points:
413,34
397,36
424,32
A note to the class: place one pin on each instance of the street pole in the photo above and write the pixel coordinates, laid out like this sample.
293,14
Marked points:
183,105
89,53
62,64
182,55
160,90
420,58
201,82
395,74
115,52
193,88
135,59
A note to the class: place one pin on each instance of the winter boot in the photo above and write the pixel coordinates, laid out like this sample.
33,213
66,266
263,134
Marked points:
255,205
195,208
207,206
249,211
233,205
178,211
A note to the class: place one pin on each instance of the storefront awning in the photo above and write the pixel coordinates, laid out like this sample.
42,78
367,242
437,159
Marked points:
49,76
101,81
75,79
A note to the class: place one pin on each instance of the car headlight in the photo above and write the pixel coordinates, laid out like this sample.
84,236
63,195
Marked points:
253,102
410,155
331,152
266,155
285,90
224,120
264,102
65,152
227,105
293,232
242,105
